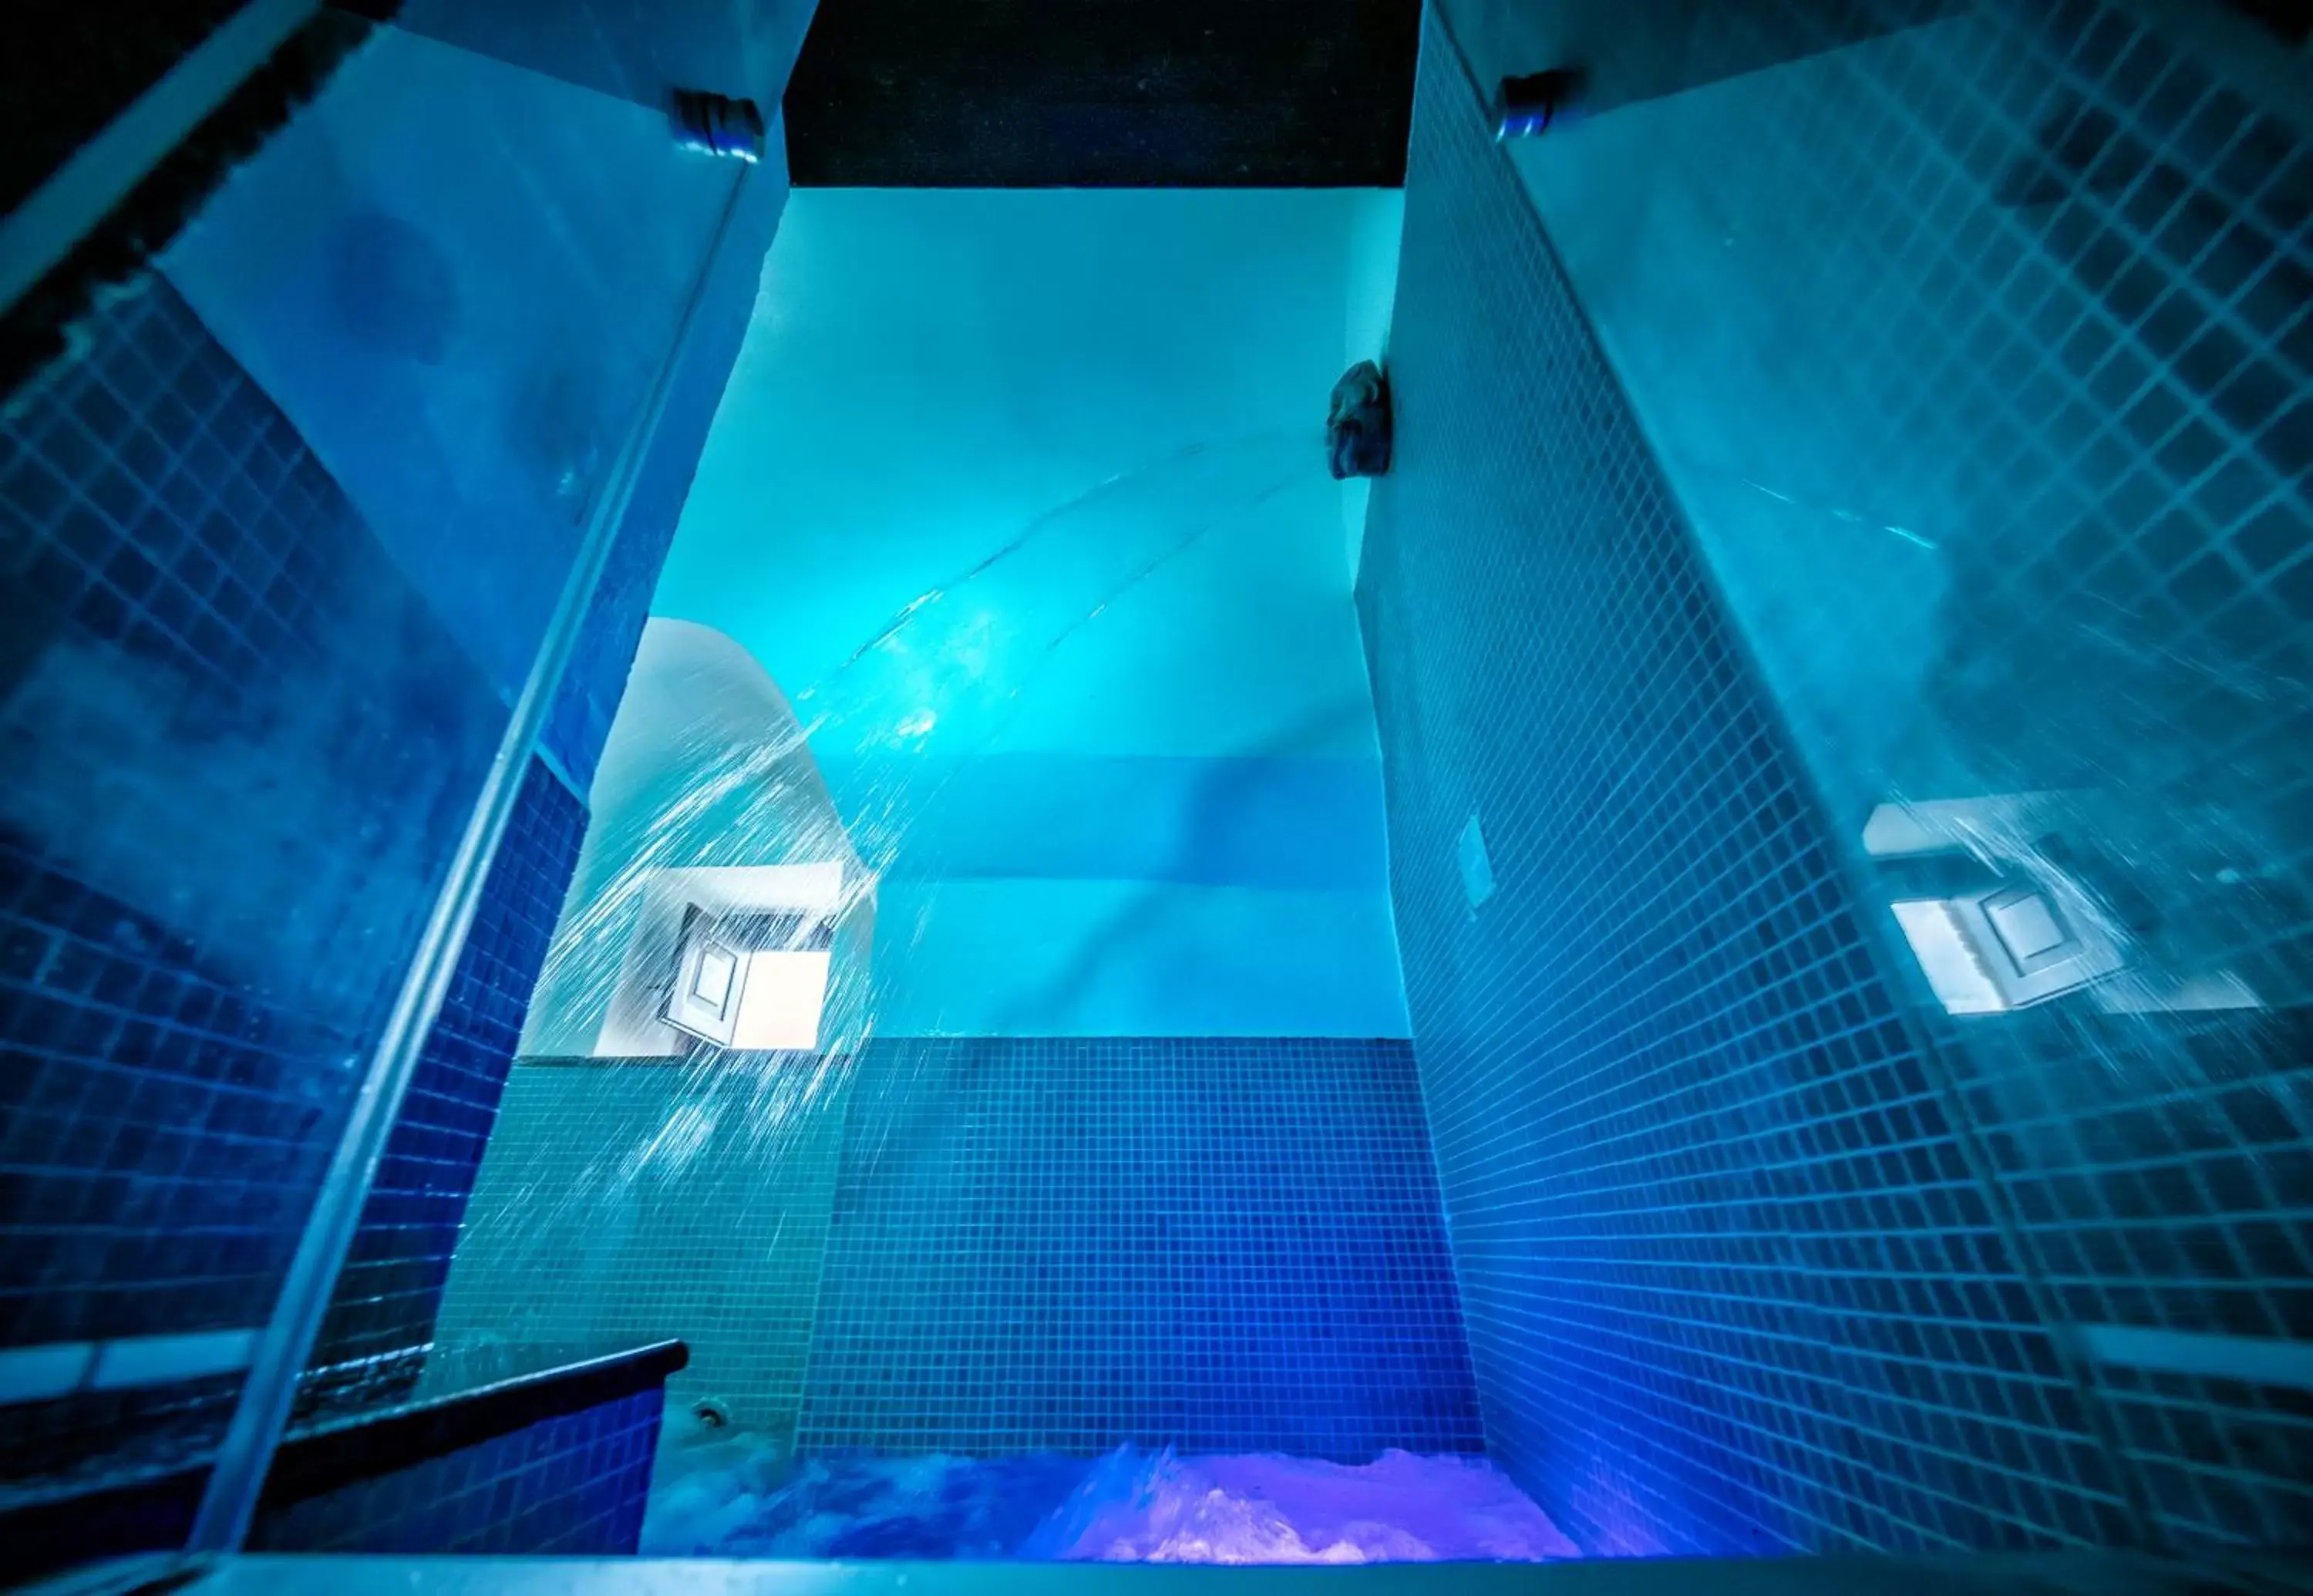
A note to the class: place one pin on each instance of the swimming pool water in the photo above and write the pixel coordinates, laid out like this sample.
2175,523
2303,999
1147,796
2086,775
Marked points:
743,1495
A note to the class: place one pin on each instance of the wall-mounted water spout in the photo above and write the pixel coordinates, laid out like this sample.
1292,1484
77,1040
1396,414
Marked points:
718,125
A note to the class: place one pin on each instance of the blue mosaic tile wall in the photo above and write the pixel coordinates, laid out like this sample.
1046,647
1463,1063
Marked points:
595,679
391,1288
1980,358
1070,1243
241,746
240,749
1731,1283
2161,1169
573,1485
2130,311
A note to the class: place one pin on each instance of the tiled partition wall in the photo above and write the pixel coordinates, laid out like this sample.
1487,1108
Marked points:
239,749
2032,285
1731,1284
2074,350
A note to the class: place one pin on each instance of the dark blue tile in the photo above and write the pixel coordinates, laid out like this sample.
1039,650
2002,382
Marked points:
573,1485
1070,1243
1684,983
1719,1254
210,904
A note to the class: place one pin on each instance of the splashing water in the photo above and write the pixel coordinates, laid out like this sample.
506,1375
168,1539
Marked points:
738,1496
944,675
734,787
1185,466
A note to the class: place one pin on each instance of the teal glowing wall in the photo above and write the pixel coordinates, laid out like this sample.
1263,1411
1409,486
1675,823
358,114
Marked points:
1163,819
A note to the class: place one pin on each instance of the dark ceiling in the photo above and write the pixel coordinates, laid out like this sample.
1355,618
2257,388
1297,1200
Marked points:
1103,93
